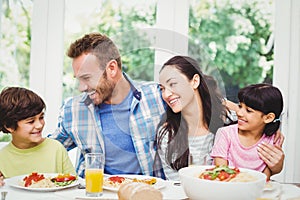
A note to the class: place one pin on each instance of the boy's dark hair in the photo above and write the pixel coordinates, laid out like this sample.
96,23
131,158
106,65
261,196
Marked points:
265,98
16,104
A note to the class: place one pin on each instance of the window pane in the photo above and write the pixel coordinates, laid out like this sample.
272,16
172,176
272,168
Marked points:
15,42
236,38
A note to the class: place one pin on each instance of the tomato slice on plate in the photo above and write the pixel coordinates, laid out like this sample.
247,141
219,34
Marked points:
116,179
34,176
64,178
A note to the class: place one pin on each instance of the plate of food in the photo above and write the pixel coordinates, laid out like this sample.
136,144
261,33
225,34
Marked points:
113,182
43,181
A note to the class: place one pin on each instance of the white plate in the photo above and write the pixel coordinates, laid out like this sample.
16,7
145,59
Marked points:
15,182
160,183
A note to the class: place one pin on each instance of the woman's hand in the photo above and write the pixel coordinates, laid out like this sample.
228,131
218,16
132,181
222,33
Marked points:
272,155
267,172
279,138
230,105
1,179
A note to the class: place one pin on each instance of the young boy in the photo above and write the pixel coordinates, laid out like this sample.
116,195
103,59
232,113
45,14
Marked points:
22,115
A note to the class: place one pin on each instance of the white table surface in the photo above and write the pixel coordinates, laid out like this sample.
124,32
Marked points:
170,192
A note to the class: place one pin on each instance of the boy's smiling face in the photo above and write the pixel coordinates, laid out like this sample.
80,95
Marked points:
29,132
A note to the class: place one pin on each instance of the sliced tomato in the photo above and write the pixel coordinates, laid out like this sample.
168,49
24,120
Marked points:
220,173
207,177
223,175
64,178
237,170
116,179
32,177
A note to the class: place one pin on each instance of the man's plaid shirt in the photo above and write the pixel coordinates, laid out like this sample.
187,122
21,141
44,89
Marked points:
79,125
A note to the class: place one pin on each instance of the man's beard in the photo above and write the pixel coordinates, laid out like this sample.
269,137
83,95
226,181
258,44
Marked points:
104,91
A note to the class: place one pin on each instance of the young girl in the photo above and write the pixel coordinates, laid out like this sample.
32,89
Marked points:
22,115
194,112
260,107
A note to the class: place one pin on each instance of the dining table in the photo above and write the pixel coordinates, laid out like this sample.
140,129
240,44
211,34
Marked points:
172,190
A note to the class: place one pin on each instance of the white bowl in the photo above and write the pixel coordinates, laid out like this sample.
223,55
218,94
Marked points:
200,189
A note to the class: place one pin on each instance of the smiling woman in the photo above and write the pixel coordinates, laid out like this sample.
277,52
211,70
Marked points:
194,113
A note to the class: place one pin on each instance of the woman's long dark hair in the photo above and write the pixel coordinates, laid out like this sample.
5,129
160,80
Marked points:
174,125
265,98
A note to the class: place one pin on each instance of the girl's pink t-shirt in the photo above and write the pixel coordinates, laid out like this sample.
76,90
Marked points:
227,146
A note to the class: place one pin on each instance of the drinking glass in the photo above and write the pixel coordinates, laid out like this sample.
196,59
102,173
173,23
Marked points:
94,167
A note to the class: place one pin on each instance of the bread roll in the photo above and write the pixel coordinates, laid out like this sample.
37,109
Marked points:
138,191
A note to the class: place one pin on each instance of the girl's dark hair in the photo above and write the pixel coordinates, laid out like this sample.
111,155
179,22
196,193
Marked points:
174,125
16,104
265,98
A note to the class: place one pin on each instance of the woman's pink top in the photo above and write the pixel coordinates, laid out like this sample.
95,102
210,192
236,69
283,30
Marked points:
227,146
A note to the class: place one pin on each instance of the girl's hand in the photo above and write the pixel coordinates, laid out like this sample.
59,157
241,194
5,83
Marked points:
1,179
272,155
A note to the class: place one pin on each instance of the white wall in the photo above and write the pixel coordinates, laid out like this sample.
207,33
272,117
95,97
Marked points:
286,77
172,31
47,53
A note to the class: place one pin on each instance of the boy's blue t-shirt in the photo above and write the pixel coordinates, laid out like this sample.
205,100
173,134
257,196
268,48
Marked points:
119,150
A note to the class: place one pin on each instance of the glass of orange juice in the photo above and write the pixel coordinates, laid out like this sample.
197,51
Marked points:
94,167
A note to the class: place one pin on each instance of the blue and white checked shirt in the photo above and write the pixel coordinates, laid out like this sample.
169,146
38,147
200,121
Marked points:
79,125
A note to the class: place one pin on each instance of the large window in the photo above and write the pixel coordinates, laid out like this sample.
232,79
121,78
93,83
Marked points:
234,41
15,32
